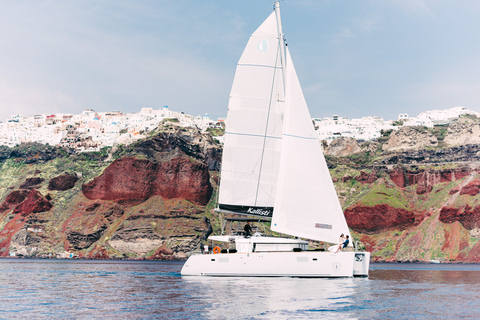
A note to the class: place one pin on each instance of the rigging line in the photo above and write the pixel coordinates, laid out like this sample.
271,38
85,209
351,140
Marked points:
268,118
252,135
258,65
300,137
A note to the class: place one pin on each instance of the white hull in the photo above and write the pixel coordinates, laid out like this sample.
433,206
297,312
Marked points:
277,264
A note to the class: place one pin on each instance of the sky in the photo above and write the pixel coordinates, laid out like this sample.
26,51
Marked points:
353,58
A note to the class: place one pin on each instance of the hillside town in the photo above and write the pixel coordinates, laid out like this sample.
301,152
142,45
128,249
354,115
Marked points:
91,130
370,128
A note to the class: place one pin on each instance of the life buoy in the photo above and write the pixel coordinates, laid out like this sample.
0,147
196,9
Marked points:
216,250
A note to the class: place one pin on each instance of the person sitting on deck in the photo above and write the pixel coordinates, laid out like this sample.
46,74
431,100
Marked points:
248,230
338,247
345,243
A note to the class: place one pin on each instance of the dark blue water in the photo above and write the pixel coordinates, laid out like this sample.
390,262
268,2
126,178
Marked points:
78,289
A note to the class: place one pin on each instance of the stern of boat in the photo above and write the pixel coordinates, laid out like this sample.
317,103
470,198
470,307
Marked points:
361,264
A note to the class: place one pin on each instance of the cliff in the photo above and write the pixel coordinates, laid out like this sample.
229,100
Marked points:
146,200
423,202
405,198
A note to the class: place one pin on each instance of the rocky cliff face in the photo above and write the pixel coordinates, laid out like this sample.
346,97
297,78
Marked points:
426,179
148,203
408,138
130,179
463,132
342,147
377,218
420,202
174,140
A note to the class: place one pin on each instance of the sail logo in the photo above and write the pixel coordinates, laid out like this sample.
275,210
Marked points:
263,45
260,212
323,226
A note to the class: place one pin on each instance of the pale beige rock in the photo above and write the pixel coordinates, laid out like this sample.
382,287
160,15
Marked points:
409,138
342,147
369,146
475,233
464,131
22,244
140,246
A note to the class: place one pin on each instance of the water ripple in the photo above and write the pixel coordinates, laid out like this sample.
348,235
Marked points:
78,289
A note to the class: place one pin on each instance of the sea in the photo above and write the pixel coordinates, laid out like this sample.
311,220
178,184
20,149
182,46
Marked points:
106,289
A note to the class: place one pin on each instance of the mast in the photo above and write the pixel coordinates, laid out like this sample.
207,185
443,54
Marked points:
281,39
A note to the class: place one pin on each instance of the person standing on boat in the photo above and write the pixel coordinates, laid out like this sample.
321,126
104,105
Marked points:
209,229
248,230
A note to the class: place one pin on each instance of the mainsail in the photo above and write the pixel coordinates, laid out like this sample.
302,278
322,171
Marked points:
273,164
306,203
254,126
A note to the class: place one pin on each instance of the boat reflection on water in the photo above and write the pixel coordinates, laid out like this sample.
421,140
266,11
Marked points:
279,298
398,291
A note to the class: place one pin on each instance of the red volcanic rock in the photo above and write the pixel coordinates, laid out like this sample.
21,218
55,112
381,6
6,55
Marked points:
124,179
13,199
366,177
182,178
162,254
377,218
425,179
34,203
423,187
450,214
346,178
468,217
473,188
31,182
129,179
397,175
472,256
63,182
459,173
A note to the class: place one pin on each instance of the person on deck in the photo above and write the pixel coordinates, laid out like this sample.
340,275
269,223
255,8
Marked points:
340,243
345,243
248,230
209,229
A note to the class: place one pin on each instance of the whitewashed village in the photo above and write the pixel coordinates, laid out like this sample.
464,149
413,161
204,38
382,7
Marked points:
370,128
91,130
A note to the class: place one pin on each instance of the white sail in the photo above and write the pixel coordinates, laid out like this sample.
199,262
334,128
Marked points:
254,126
306,202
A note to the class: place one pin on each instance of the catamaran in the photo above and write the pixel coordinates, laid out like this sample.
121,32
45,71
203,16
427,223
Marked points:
273,167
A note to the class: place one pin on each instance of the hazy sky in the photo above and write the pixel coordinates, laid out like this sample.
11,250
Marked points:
354,58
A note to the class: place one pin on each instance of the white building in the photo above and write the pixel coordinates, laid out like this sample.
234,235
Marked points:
438,117
364,129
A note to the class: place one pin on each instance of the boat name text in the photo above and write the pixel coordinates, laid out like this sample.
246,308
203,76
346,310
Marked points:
260,212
